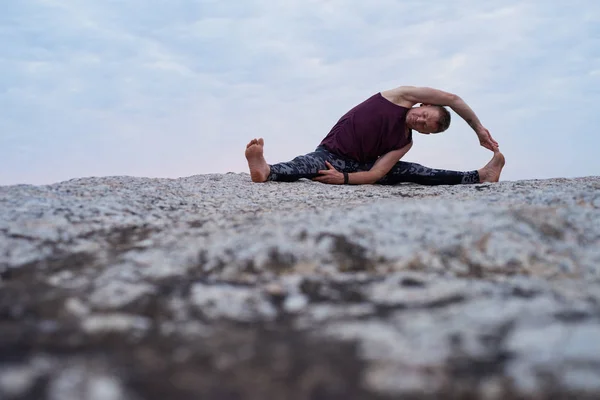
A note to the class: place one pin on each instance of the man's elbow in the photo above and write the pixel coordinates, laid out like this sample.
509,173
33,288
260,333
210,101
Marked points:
375,176
453,99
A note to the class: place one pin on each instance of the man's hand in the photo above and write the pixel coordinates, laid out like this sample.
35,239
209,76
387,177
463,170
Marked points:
486,139
330,175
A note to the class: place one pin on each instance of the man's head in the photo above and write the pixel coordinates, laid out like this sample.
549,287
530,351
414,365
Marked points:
428,119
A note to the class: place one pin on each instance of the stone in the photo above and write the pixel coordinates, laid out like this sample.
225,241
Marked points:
211,286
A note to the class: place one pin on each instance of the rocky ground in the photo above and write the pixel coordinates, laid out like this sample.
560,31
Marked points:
211,287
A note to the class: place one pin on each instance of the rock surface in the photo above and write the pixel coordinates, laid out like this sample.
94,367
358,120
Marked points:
213,287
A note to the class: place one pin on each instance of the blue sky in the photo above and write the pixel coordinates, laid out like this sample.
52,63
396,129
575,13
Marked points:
177,88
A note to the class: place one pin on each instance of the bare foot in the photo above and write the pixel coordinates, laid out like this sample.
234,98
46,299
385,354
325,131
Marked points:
259,169
491,172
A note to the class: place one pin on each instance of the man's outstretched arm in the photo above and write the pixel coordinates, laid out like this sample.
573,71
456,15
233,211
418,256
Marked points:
408,96
382,166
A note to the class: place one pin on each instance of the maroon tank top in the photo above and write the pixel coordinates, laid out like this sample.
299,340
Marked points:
369,130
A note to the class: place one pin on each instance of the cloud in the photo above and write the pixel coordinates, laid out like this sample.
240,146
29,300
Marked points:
177,88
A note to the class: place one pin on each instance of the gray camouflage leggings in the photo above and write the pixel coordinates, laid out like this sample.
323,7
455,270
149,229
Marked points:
307,166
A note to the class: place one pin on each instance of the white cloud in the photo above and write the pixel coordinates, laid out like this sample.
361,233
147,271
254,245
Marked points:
177,88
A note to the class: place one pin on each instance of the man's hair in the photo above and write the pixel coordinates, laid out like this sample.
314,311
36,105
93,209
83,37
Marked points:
444,121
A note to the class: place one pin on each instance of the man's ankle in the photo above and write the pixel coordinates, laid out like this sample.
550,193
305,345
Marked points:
482,175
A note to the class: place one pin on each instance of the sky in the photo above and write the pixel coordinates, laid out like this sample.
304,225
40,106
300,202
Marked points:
172,88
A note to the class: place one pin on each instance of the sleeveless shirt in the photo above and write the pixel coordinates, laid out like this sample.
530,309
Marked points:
369,130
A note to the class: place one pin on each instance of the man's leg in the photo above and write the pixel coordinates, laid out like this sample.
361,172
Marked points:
416,173
306,166
309,165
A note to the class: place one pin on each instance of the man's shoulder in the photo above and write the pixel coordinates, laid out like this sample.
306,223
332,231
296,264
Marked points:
396,96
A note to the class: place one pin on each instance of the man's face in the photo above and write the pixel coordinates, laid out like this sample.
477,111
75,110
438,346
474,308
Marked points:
424,119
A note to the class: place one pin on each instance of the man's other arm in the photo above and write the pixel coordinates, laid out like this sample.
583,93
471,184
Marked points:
408,96
382,166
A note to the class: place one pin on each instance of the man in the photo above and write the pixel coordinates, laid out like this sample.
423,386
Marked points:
366,144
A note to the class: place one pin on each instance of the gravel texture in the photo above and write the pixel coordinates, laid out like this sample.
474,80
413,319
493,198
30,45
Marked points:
213,287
